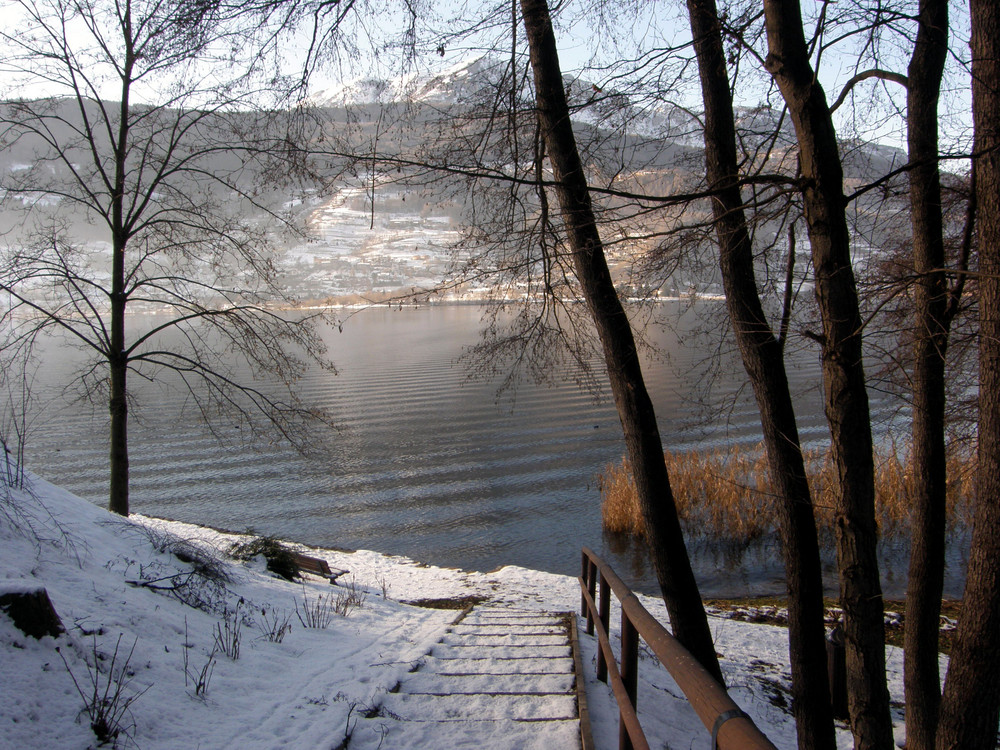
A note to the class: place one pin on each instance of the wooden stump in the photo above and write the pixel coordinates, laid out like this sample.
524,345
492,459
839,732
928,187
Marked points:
836,662
31,610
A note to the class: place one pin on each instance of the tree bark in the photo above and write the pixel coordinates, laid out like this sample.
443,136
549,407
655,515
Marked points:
926,572
117,357
635,409
846,397
764,362
970,705
118,407
31,610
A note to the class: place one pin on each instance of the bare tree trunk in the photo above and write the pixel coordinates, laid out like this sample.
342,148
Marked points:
926,574
118,366
846,397
970,706
117,357
635,409
118,406
764,362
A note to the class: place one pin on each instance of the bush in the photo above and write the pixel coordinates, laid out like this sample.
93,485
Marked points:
229,633
106,697
279,558
316,613
273,626
319,612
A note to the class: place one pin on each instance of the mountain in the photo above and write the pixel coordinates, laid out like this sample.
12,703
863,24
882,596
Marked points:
464,81
474,83
377,233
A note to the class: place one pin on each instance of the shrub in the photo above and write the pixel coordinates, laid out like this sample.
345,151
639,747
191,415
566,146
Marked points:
316,613
319,612
279,558
273,626
201,677
202,560
106,700
228,633
350,596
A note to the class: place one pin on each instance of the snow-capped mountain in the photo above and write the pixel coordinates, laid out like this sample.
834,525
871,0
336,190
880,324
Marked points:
375,233
462,81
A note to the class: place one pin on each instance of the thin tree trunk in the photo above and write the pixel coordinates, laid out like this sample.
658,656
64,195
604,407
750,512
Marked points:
970,706
635,409
118,371
926,574
846,397
764,362
118,406
117,357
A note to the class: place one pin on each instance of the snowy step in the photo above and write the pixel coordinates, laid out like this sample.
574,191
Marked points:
499,679
419,707
456,684
469,735
470,665
490,628
501,651
499,617
509,618
505,639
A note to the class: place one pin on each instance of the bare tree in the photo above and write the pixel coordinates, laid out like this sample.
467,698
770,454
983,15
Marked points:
635,409
934,310
16,401
507,150
157,128
763,359
846,396
970,704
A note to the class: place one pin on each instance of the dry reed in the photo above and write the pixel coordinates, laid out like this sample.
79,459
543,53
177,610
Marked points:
725,495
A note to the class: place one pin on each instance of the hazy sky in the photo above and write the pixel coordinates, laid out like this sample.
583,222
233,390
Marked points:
588,33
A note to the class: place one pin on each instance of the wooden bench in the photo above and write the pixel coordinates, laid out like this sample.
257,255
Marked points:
317,567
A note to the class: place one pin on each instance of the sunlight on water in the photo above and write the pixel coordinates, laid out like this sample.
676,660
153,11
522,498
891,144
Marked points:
425,463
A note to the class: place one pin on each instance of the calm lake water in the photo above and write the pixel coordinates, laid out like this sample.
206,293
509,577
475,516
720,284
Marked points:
427,463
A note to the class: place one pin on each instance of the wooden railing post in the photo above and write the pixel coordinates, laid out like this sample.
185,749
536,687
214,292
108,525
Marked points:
730,727
592,590
604,614
630,673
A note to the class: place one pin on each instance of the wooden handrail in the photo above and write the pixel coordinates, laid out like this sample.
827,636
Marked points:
729,726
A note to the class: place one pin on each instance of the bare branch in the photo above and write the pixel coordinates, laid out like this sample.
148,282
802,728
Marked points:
884,75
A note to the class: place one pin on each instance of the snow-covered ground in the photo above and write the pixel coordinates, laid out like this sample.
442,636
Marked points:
313,687
398,245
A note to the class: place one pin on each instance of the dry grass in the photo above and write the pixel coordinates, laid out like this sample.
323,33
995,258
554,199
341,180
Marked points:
726,495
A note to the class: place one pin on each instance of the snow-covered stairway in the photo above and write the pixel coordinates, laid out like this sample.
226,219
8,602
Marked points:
498,679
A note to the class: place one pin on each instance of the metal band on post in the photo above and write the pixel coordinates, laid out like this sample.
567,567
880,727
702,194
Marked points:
707,696
721,719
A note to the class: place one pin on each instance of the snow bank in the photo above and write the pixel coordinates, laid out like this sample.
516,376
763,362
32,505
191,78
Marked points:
167,596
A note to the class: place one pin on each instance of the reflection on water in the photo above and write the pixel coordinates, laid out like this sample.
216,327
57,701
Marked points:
756,569
426,463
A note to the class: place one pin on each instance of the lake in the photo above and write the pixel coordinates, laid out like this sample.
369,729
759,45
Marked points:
430,464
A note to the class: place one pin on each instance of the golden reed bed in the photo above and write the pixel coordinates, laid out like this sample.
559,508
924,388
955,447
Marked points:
726,494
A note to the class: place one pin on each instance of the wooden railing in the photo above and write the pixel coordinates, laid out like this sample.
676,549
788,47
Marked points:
729,726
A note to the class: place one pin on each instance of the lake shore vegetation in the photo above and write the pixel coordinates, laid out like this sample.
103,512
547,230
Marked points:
726,494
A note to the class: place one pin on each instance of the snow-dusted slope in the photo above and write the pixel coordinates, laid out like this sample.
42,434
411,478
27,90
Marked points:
306,691
450,85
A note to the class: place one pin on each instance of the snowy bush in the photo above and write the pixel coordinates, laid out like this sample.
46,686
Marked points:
107,699
279,558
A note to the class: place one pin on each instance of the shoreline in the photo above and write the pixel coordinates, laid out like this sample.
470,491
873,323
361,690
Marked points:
753,608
